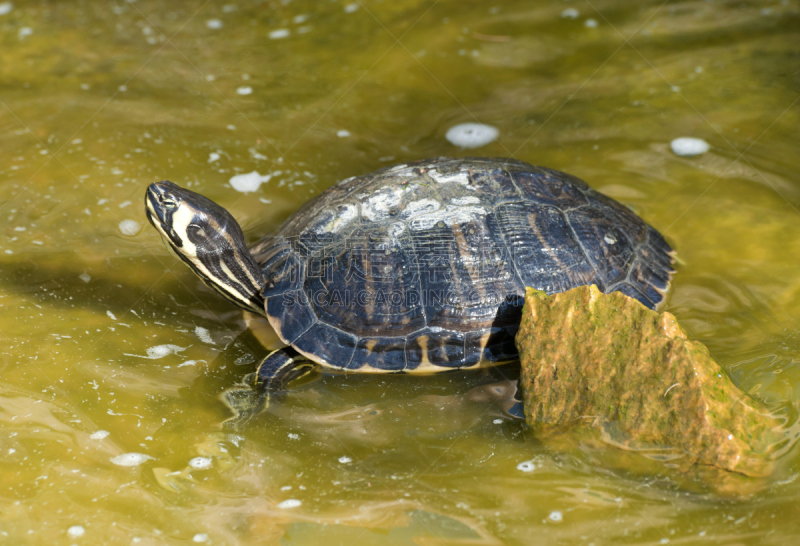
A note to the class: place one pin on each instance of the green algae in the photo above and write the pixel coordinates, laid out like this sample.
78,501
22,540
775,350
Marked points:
605,361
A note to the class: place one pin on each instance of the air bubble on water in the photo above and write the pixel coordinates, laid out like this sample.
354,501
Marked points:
289,503
160,351
85,277
248,182
213,156
244,90
200,537
129,227
689,146
555,516
345,460
300,19
570,13
130,459
200,463
76,531
529,466
24,32
471,135
590,23
342,133
99,435
278,34
6,7
351,8
214,24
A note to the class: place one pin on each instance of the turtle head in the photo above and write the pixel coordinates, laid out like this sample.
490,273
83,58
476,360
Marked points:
209,240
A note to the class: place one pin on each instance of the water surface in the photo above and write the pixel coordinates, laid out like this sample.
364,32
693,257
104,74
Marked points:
98,99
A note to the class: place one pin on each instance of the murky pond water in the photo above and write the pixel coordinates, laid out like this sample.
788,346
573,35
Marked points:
110,346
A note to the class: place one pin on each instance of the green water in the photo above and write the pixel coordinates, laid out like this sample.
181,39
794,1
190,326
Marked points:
98,99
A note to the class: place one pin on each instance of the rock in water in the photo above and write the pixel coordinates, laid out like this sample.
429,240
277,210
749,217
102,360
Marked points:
606,361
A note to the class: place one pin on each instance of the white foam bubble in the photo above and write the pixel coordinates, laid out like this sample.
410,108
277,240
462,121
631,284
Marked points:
130,227
6,7
200,537
289,503
214,24
570,13
244,90
345,460
278,34
130,459
555,515
99,435
471,135
85,277
248,182
200,463
688,146
343,133
160,351
203,334
76,531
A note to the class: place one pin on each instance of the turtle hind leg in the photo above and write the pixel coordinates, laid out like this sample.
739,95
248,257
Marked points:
279,368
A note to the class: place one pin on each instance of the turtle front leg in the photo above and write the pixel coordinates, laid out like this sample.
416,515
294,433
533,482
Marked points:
280,368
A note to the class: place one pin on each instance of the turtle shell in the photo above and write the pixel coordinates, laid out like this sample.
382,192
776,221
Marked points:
423,267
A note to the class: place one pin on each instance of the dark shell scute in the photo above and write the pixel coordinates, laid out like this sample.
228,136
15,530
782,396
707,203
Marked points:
293,313
382,353
606,244
544,249
547,189
330,344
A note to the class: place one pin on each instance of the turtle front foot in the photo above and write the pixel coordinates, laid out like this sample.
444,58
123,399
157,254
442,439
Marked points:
279,368
273,375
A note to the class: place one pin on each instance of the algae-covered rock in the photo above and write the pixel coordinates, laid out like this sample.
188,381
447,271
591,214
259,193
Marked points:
606,361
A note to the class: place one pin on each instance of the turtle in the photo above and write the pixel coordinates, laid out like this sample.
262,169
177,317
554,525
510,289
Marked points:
415,268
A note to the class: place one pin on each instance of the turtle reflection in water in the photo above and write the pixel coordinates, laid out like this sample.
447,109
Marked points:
416,268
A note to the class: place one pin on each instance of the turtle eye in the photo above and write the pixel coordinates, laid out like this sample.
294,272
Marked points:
169,204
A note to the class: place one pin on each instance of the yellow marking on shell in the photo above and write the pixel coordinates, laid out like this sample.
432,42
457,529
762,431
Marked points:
371,345
484,342
263,331
423,344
